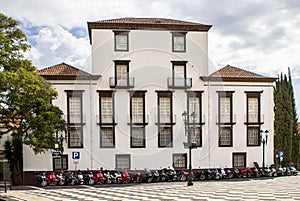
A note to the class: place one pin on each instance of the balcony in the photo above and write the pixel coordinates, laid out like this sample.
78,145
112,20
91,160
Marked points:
107,120
165,119
254,119
181,83
138,120
121,83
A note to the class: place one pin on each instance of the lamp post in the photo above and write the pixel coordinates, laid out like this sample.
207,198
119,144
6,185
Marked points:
264,141
60,137
189,144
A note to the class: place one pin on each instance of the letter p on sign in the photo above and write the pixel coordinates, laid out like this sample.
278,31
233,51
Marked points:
76,155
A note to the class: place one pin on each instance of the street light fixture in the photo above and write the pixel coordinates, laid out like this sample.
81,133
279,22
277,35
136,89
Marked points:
189,144
264,141
60,137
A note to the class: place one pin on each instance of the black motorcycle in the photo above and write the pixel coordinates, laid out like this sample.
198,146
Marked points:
147,176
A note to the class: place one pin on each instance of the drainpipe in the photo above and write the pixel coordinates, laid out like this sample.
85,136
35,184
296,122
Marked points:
91,122
208,122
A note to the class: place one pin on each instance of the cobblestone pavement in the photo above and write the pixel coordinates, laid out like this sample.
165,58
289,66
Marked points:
280,188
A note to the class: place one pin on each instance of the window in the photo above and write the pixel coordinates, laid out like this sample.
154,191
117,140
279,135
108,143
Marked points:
225,110
138,137
137,109
194,105
121,40
75,137
137,119
57,162
75,118
107,120
165,119
178,41
197,136
253,136
253,108
107,137
123,161
239,160
225,119
164,109
179,77
165,137
121,79
180,161
106,110
74,107
253,118
225,136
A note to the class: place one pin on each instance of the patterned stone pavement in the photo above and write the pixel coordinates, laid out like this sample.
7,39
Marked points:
280,188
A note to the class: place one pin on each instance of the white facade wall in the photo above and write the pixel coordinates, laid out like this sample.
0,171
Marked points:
150,54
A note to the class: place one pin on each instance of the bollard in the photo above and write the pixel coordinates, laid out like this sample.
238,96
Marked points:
5,190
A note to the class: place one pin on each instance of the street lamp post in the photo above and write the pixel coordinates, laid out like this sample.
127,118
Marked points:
264,141
61,136
189,144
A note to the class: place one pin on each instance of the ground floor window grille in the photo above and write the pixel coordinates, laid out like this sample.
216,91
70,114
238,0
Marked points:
57,163
239,160
180,161
123,161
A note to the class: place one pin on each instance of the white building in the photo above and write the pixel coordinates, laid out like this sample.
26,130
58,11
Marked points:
127,113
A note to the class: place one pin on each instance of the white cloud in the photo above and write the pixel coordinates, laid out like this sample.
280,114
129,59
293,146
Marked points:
55,44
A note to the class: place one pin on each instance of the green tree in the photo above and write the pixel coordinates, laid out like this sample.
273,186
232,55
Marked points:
285,124
26,112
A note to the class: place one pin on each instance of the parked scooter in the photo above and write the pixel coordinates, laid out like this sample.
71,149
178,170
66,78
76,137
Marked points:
125,177
98,177
41,179
60,178
116,177
199,174
168,174
70,179
51,179
88,178
156,176
184,175
147,176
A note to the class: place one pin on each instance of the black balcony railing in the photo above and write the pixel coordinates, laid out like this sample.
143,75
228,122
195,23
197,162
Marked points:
179,82
121,83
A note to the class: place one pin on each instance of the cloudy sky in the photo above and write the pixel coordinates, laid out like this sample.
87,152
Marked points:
257,35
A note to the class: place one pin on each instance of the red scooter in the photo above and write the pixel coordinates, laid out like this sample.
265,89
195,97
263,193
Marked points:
51,179
98,177
125,177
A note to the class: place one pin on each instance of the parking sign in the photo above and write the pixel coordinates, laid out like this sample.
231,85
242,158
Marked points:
76,155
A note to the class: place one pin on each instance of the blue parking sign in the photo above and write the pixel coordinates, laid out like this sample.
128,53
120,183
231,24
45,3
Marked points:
76,155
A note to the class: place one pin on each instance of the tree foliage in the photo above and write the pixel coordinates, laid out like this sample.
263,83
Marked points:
25,97
286,128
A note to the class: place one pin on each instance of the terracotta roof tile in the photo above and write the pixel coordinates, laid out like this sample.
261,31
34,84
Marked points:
231,73
132,20
131,23
65,71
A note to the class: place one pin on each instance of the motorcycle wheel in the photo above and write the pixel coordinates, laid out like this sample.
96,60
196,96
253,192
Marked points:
44,183
72,182
149,179
217,177
202,177
101,182
91,182
230,175
182,178
127,181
